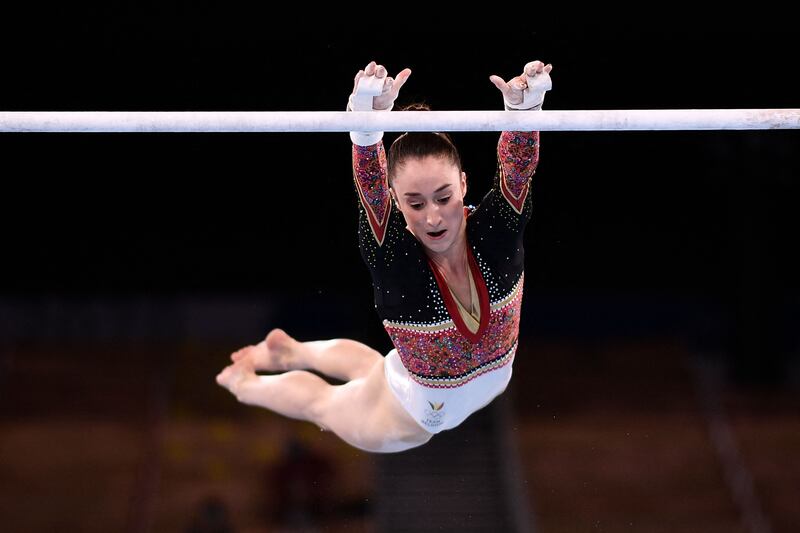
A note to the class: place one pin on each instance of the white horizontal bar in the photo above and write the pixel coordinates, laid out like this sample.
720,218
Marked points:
341,121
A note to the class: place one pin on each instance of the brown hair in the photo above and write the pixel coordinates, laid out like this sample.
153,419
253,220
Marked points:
418,145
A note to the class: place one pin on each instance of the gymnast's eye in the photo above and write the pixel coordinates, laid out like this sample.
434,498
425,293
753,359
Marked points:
415,206
444,200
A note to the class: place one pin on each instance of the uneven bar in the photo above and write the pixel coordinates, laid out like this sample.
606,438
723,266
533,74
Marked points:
340,121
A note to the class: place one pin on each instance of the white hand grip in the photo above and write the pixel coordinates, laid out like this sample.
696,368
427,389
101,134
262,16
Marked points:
538,85
533,95
367,88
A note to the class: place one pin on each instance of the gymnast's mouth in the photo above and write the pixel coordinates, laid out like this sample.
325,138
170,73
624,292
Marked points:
436,234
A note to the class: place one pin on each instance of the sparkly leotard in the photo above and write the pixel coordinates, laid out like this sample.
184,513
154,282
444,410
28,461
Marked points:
440,370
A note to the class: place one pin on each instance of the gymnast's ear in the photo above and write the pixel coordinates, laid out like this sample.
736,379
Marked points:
394,198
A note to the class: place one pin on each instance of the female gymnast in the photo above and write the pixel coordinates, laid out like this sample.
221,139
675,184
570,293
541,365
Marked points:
447,281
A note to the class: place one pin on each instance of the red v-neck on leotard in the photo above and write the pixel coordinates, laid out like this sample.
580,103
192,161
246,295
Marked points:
452,306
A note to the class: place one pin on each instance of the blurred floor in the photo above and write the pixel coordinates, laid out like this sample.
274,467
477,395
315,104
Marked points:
84,448
139,438
613,438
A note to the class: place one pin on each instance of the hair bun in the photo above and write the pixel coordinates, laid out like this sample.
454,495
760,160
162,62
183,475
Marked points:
416,106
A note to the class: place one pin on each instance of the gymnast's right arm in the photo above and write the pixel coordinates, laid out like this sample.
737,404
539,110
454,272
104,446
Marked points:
373,90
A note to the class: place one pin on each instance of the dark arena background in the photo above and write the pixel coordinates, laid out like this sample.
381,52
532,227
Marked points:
656,386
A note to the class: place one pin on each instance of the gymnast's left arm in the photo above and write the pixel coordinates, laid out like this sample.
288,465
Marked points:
517,151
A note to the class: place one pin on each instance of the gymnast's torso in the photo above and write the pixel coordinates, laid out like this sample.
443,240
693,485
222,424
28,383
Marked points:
438,341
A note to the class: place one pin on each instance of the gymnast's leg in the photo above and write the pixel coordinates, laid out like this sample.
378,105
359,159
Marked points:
363,412
343,359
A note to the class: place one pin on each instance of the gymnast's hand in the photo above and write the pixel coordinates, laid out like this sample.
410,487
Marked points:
391,86
525,91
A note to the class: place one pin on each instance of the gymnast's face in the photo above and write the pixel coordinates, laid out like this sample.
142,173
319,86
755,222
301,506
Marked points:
430,194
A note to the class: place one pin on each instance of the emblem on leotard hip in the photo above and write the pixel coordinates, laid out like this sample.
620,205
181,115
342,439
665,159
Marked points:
434,415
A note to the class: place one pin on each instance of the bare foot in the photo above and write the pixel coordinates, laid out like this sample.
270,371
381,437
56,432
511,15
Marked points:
234,375
278,352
